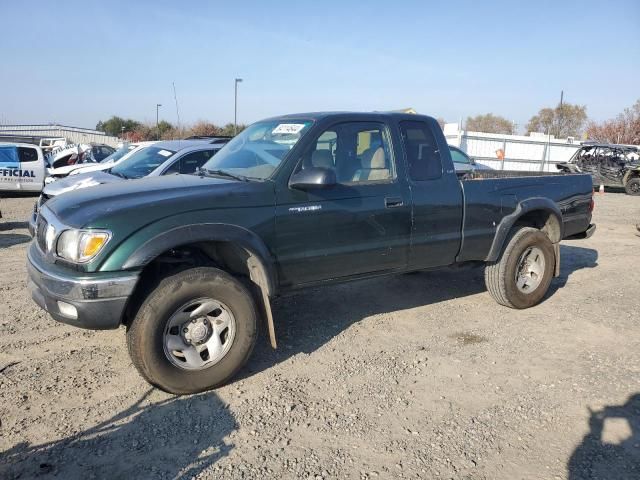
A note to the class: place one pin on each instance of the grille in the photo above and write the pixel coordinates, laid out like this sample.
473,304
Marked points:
41,230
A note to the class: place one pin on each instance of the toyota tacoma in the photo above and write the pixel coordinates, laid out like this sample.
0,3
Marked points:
189,264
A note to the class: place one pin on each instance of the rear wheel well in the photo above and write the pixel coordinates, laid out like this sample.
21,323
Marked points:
543,220
226,256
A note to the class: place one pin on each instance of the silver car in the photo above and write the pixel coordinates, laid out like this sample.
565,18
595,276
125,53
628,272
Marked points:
162,158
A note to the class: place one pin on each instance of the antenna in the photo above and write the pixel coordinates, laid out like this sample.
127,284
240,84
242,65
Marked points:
175,97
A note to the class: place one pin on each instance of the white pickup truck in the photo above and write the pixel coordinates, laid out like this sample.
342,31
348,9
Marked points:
22,167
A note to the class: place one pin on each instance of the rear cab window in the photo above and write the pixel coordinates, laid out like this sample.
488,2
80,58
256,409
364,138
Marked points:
423,155
27,154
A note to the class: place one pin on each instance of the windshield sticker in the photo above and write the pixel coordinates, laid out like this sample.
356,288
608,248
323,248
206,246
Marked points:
165,153
288,128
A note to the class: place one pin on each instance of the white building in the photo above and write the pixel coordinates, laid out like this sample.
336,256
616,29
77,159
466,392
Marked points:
72,134
536,152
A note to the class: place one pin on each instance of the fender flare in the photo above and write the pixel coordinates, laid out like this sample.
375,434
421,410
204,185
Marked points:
524,207
261,258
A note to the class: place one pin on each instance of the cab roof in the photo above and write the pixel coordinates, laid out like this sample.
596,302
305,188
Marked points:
317,116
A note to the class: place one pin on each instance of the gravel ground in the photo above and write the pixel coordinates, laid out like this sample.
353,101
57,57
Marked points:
416,376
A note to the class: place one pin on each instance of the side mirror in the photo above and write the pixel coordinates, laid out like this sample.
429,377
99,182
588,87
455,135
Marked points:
313,178
473,160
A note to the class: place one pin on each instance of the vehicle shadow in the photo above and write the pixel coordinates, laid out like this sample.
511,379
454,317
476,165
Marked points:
307,320
10,239
176,438
572,259
611,449
4,226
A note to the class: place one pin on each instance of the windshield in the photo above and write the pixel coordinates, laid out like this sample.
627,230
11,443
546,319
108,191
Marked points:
458,157
142,163
258,150
118,154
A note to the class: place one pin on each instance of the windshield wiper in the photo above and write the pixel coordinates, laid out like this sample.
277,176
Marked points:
222,173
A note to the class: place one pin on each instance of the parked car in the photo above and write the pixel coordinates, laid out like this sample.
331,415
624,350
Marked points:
608,164
463,163
91,163
22,167
189,262
161,158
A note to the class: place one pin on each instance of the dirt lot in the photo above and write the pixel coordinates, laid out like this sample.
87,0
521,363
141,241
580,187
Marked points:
417,376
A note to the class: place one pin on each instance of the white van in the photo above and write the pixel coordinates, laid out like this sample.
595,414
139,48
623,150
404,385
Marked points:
22,167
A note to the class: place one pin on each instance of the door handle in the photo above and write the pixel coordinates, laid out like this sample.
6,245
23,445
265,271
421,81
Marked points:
393,202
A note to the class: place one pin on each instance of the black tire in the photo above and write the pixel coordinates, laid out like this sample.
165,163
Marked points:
632,187
145,332
500,276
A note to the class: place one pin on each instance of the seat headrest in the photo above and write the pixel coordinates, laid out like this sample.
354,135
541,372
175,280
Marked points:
322,158
374,158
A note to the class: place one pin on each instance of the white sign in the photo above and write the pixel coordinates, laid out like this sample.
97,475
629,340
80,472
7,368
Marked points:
288,128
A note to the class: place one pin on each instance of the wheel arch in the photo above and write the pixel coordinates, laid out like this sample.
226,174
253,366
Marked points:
633,173
231,248
541,213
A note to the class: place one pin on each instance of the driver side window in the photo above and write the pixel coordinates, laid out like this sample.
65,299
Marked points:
359,152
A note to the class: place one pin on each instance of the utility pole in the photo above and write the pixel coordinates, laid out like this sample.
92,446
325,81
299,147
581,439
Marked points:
158,105
235,107
560,120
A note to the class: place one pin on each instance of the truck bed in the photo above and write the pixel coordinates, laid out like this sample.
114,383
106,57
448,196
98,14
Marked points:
490,196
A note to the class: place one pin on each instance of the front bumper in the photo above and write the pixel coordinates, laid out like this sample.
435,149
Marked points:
99,299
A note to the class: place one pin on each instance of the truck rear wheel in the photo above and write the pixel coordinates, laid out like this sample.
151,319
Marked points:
522,275
632,187
194,331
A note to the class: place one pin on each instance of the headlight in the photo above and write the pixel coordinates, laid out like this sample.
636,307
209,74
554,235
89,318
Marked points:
80,246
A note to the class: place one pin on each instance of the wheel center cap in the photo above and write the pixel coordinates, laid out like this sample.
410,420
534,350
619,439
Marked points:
197,332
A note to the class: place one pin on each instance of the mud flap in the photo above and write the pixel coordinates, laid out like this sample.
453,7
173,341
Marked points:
257,275
556,251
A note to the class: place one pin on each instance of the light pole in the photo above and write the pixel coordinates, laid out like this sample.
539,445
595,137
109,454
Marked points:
235,107
158,105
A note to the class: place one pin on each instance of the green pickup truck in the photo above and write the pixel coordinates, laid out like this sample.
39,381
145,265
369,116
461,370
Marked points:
190,263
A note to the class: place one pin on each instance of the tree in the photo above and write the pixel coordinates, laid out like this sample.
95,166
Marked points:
204,128
228,129
114,126
625,128
164,129
489,123
562,121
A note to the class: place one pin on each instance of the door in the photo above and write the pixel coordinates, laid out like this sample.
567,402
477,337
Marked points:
436,196
9,164
31,170
359,226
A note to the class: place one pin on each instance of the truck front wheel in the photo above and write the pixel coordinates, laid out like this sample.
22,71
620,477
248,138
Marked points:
522,275
194,331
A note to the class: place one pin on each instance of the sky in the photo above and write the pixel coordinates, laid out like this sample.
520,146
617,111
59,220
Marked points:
76,63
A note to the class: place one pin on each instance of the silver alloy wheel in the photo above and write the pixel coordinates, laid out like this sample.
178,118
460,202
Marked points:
530,269
199,334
